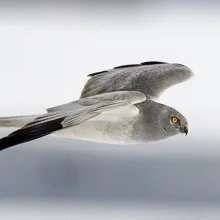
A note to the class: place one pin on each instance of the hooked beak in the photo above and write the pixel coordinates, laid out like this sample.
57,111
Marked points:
184,130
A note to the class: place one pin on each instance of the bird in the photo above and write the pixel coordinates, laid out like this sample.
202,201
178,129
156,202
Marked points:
116,106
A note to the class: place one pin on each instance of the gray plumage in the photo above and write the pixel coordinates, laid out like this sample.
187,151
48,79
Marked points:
117,106
151,80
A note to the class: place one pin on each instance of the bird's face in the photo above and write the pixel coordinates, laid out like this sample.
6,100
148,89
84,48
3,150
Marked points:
173,122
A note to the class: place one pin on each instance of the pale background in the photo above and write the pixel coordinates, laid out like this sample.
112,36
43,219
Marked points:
46,51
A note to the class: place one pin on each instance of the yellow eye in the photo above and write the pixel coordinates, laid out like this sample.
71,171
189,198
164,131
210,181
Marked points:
174,119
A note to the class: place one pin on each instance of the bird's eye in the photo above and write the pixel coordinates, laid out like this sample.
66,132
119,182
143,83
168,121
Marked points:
175,120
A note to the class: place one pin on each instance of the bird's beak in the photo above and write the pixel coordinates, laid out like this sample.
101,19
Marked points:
184,129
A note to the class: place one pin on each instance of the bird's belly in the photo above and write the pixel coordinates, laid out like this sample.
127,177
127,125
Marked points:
104,129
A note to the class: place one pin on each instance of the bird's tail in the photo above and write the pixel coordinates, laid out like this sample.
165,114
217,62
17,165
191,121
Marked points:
16,121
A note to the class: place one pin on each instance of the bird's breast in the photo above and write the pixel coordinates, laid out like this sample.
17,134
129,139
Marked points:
113,127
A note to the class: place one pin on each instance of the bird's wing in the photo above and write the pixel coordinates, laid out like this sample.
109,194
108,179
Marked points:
133,97
70,114
16,121
150,78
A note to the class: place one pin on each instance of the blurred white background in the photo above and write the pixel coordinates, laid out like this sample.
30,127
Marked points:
47,50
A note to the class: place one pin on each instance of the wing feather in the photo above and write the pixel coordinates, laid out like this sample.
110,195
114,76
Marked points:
70,114
150,78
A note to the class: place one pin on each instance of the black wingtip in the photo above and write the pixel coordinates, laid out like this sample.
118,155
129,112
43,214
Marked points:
30,133
126,66
141,64
153,63
131,65
97,73
5,143
8,141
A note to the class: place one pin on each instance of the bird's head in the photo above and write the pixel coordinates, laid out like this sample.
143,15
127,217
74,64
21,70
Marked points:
173,122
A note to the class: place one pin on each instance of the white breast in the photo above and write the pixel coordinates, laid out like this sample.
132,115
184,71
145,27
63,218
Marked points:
112,127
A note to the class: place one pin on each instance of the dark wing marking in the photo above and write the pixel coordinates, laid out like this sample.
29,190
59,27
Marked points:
152,63
129,66
29,133
93,74
44,125
126,66
142,64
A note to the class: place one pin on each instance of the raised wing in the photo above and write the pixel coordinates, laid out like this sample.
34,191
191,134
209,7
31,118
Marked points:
151,78
70,114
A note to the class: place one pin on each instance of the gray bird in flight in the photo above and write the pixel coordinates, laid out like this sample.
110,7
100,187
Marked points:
117,106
